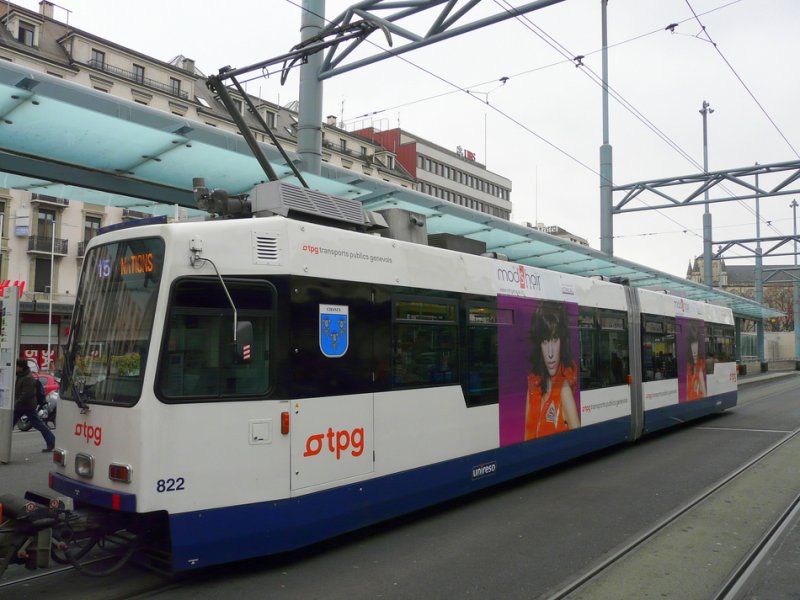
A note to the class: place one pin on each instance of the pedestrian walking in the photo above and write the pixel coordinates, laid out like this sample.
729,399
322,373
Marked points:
25,403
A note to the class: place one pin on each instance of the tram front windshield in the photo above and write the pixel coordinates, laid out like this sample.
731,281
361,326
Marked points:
113,322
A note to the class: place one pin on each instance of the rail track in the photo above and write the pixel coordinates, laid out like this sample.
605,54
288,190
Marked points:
629,570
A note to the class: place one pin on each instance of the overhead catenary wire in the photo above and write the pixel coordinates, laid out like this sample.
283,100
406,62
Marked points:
458,88
704,31
558,47
569,57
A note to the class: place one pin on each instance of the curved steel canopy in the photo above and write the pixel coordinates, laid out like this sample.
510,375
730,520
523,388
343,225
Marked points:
70,141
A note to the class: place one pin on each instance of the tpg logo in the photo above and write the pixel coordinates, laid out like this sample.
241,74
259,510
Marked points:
89,433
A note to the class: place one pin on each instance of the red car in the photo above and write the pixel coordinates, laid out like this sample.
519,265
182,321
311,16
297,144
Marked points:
50,382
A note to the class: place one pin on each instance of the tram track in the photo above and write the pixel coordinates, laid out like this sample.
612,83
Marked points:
610,577
741,576
28,579
135,581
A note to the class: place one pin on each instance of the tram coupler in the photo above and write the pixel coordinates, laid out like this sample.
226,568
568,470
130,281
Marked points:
26,528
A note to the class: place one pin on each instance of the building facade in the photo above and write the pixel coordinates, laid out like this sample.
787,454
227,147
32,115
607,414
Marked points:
42,237
559,232
452,176
740,280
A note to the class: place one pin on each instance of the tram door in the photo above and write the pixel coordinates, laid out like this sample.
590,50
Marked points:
333,327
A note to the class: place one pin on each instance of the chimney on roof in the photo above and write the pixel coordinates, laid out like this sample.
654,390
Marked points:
187,64
46,9
331,120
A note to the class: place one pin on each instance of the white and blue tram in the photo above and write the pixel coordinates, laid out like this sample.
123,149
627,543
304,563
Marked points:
368,377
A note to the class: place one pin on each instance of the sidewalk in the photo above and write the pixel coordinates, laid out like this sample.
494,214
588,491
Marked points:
28,466
758,376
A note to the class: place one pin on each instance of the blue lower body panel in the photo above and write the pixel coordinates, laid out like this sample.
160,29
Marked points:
675,414
207,537
92,494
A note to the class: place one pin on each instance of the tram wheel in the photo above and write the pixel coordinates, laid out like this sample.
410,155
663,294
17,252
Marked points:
95,546
102,554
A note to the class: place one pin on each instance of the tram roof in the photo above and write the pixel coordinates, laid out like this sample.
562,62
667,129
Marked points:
66,140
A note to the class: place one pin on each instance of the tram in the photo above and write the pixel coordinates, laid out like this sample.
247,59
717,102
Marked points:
249,386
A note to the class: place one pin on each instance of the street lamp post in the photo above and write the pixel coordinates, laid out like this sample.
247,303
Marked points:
606,162
708,276
759,281
50,300
795,287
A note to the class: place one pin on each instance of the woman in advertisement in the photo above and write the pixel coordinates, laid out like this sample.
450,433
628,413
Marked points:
696,365
550,404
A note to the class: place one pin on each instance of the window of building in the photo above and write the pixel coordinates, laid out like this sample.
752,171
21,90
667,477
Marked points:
269,118
138,73
41,277
363,151
237,103
175,86
343,145
45,225
91,225
26,34
98,60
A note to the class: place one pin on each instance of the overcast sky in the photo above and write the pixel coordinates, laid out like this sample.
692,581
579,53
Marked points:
542,128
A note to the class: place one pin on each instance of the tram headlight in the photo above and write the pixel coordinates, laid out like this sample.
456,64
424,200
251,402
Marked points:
119,472
84,465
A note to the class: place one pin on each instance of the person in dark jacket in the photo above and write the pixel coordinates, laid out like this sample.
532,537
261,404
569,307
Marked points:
25,403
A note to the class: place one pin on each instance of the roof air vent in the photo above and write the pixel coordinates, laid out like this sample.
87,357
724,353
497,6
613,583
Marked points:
279,198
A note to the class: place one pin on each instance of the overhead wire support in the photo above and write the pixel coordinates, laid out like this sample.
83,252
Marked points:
442,28
705,181
301,52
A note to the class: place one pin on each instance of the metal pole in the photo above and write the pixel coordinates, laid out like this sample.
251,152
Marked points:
9,351
309,114
795,288
49,367
708,273
759,281
606,167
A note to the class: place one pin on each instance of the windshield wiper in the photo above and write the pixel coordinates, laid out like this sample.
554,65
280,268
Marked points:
76,394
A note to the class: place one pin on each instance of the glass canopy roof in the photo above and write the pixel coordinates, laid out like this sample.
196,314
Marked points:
67,140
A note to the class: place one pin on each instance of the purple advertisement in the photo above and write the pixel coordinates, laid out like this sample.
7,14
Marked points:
691,356
538,369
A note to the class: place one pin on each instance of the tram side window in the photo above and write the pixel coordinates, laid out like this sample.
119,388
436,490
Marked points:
604,348
719,345
198,361
658,348
425,336
482,324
